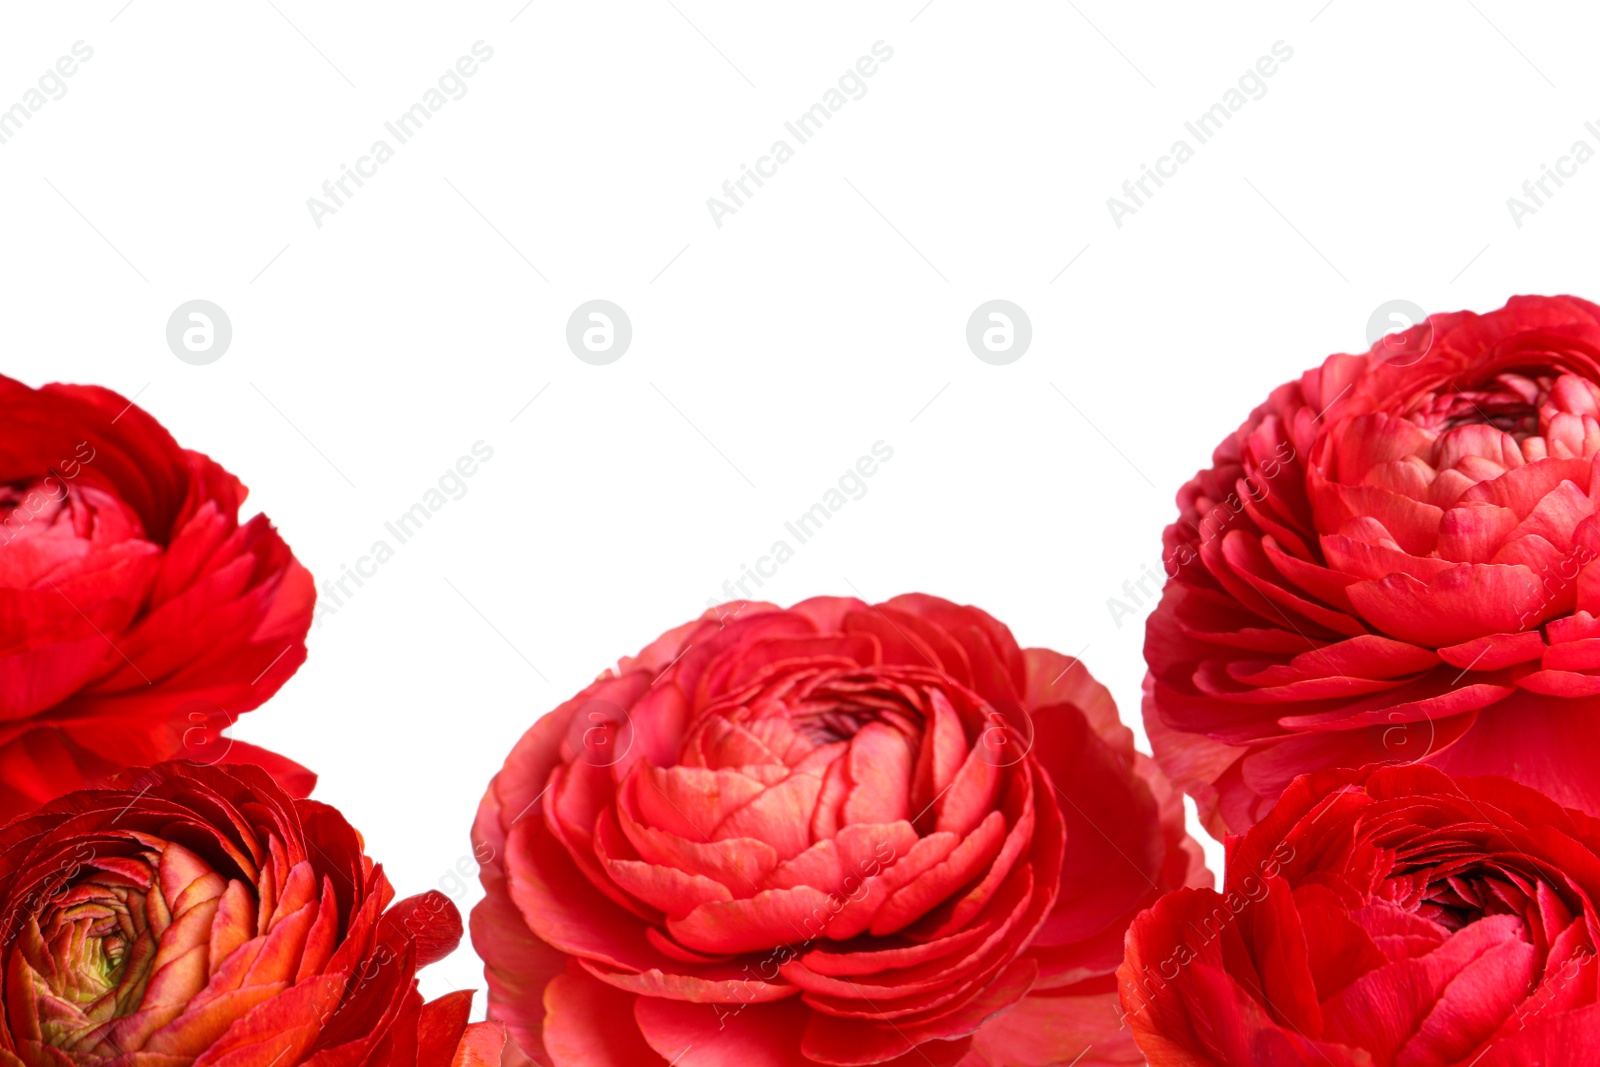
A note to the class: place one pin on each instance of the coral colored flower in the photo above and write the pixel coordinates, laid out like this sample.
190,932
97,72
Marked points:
482,1045
836,834
201,915
138,617
1395,558
1386,917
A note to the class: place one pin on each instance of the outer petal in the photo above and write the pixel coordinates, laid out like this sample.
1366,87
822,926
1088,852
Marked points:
589,1024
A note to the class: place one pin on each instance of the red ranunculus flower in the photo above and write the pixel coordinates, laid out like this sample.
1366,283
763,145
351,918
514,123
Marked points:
1384,917
836,834
138,617
1394,559
200,915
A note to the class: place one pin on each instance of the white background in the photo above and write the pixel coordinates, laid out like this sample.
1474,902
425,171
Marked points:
827,314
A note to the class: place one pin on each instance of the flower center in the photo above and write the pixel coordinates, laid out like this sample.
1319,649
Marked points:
1544,414
818,709
1456,903
113,954
93,958
62,510
27,503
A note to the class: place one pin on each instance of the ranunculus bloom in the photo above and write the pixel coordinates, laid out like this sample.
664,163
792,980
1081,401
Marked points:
138,617
201,915
1395,558
836,834
1384,917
